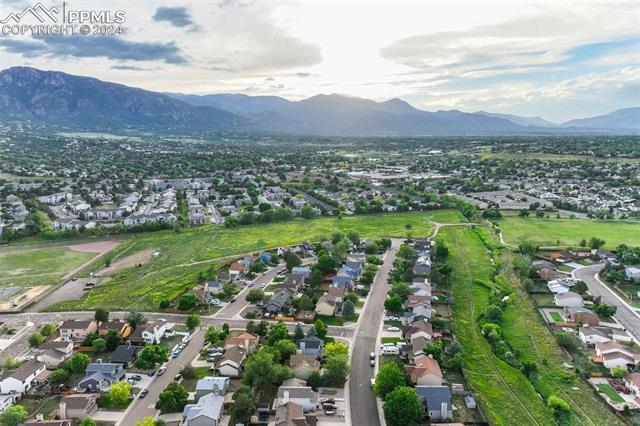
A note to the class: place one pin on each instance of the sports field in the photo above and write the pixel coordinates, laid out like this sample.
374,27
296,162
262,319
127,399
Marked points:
568,232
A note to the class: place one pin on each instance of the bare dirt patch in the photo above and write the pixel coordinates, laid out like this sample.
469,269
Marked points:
128,262
18,301
95,247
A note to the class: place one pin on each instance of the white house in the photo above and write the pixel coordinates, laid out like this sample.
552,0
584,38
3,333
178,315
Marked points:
154,331
230,364
632,274
592,335
296,391
207,412
22,378
7,401
613,354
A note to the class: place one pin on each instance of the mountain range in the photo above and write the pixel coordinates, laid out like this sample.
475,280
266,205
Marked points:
88,103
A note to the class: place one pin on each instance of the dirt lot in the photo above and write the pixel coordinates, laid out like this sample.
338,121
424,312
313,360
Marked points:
128,262
21,299
96,247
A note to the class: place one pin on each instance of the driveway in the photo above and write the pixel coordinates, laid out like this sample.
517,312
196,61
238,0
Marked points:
628,317
141,408
362,401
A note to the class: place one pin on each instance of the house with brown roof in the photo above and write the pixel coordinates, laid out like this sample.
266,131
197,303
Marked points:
292,414
326,305
303,365
231,362
121,327
23,378
247,341
425,371
78,406
613,354
77,330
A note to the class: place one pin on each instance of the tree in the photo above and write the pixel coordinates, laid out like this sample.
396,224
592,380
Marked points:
36,339
389,377
292,260
494,313
186,302
321,328
605,310
150,356
262,372
402,407
212,335
336,370
172,399
435,350
348,309
596,243
254,295
618,372
277,332
298,333
372,248
135,318
568,341
528,248
13,416
326,263
335,348
393,304
88,422
79,362
192,322
354,236
101,315
47,329
559,406
100,345
120,393
147,421
315,380
580,287
441,251
244,404
307,212
58,376
286,348
113,339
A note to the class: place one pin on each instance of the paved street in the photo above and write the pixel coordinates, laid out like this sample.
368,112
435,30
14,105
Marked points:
628,317
362,402
141,408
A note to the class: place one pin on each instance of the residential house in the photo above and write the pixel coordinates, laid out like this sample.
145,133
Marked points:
141,219
560,285
77,406
293,282
425,372
125,355
581,315
422,267
305,271
52,354
311,345
153,332
292,414
632,381
235,269
563,256
296,391
277,302
326,305
247,341
419,312
303,365
77,330
437,402
593,335
210,384
231,362
100,376
568,299
71,223
206,412
632,274
124,329
23,378
8,400
612,354
212,287
40,422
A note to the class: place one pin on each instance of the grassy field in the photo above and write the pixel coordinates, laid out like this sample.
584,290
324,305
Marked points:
610,392
184,256
38,266
504,394
568,232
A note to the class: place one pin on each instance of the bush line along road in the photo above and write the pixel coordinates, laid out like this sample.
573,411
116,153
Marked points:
514,401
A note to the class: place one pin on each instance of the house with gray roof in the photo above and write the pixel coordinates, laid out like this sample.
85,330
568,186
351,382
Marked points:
206,412
437,402
277,302
311,345
100,376
211,384
296,391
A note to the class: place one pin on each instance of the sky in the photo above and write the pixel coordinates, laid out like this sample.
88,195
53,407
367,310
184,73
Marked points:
556,61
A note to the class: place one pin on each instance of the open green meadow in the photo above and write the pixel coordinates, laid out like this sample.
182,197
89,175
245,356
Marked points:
567,232
38,266
193,253
504,394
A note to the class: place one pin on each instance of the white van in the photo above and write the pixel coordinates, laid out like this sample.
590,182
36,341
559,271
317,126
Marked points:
390,350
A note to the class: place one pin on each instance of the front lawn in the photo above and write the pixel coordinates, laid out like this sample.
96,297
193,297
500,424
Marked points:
189,383
610,392
335,320
556,317
393,340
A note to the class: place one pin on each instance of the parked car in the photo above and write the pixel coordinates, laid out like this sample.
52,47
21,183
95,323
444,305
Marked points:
373,363
215,302
393,318
143,393
177,377
373,382
263,285
161,371
393,328
372,355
